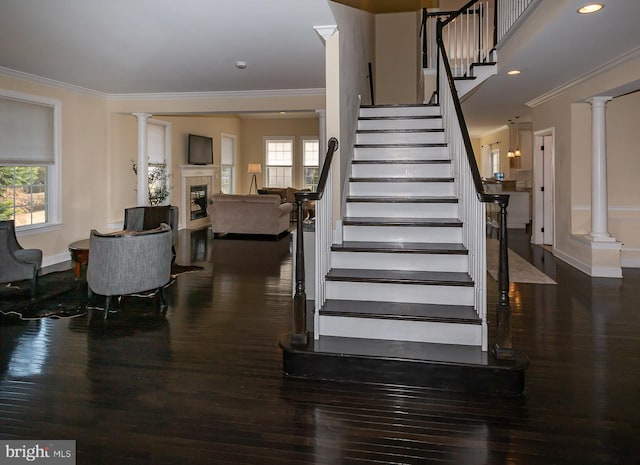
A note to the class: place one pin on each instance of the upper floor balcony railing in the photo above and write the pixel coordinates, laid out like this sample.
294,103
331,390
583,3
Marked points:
471,34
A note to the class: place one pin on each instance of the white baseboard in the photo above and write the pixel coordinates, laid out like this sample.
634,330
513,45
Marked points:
574,262
55,259
593,271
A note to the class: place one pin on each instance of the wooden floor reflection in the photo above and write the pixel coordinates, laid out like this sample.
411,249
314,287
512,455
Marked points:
203,384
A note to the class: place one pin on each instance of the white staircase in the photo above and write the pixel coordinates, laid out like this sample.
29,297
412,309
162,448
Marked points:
402,271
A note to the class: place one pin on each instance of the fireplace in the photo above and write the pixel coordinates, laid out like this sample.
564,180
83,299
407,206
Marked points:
198,201
197,186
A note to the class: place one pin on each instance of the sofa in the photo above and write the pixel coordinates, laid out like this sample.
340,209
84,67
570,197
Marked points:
287,194
249,214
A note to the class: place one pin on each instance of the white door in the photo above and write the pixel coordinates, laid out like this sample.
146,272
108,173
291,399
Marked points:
543,179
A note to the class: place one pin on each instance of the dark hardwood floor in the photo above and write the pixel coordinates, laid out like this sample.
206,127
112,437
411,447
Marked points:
204,384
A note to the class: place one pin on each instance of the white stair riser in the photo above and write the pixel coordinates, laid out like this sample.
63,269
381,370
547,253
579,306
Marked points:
401,234
399,261
411,293
401,111
427,123
401,153
402,210
401,189
413,331
397,170
400,138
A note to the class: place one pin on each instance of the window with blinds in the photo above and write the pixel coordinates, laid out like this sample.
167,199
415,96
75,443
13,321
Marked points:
29,175
227,163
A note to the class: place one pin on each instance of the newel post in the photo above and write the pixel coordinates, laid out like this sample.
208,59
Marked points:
299,335
503,348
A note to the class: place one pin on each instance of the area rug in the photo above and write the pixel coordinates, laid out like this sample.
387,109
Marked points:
520,270
60,295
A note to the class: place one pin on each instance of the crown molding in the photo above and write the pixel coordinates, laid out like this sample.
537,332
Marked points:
219,94
162,95
628,56
51,82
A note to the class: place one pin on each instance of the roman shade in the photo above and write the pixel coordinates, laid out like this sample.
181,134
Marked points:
26,132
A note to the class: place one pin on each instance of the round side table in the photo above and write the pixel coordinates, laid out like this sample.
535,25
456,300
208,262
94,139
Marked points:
79,251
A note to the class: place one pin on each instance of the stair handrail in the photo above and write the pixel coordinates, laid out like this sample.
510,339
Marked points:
300,334
502,348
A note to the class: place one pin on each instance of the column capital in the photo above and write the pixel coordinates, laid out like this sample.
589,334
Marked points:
326,32
142,116
599,100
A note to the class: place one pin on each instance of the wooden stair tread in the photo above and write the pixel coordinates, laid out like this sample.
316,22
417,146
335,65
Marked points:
461,314
386,179
402,145
402,105
401,247
430,199
384,118
398,131
442,278
448,367
402,162
483,63
388,221
446,353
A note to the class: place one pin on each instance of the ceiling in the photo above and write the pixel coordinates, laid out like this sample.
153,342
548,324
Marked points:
565,47
154,46
165,46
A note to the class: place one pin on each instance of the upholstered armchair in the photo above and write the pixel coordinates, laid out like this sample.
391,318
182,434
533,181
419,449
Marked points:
17,263
145,218
129,263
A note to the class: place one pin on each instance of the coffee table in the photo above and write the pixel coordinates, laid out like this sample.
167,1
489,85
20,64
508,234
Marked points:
79,251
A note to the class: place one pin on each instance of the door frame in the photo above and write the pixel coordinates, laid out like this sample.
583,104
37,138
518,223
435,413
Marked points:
539,168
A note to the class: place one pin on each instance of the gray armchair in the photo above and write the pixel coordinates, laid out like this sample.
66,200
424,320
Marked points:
121,264
16,263
144,218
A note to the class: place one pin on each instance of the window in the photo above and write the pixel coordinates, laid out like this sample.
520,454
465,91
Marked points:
158,143
495,161
310,160
279,162
227,162
29,159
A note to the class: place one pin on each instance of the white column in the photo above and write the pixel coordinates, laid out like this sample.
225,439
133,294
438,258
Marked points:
142,161
599,202
322,135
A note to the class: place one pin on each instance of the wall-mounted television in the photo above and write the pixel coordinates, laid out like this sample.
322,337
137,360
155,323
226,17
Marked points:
200,150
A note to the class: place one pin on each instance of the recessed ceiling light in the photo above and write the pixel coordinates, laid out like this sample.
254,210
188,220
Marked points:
591,8
241,64
513,72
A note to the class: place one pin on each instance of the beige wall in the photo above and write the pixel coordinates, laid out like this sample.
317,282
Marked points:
397,55
253,134
347,83
623,165
86,183
570,116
